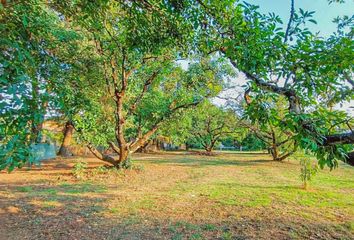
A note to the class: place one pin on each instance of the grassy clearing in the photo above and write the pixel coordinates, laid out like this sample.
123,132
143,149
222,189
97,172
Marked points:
180,196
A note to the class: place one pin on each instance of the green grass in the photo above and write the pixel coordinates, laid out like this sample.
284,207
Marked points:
228,196
86,187
263,185
133,207
24,189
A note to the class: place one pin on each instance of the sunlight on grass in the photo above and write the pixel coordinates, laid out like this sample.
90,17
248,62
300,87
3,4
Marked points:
81,188
133,207
196,197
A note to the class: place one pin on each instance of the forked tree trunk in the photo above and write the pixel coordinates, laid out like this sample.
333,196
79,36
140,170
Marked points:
117,85
209,148
64,150
274,152
123,149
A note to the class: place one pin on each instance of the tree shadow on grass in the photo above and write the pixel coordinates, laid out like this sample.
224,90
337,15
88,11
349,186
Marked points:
75,211
40,211
208,162
246,228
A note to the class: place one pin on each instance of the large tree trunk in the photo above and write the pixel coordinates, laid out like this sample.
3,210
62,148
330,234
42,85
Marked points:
123,149
68,133
144,149
123,155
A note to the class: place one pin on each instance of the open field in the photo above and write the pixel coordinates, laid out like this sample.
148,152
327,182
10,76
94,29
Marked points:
177,196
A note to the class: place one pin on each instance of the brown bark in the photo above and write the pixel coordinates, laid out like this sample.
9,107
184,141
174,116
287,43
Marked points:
140,142
208,149
274,152
114,147
120,120
274,149
101,156
286,155
68,133
144,148
342,138
277,156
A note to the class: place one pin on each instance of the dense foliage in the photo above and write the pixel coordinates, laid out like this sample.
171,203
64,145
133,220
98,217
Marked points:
204,127
113,69
30,68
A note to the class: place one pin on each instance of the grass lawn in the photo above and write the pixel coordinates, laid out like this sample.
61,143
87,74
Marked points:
177,195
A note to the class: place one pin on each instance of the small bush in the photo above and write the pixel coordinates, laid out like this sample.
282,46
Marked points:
79,169
308,171
127,164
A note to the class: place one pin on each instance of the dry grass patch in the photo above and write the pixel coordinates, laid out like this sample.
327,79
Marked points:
177,196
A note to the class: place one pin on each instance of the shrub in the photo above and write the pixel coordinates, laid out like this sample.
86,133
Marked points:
79,169
308,170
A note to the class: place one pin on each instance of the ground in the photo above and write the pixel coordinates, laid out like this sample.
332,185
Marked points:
176,195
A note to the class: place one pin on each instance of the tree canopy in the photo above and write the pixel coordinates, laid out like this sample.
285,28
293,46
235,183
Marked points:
114,69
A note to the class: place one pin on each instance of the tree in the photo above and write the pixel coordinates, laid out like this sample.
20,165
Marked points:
265,121
210,124
141,85
204,126
123,81
252,142
30,66
279,144
67,138
143,116
293,62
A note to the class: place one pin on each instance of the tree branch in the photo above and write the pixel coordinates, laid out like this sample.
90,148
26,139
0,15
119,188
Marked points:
144,90
341,138
292,11
101,156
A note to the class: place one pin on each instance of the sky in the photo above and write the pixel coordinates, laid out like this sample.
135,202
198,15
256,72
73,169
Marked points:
324,15
324,12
